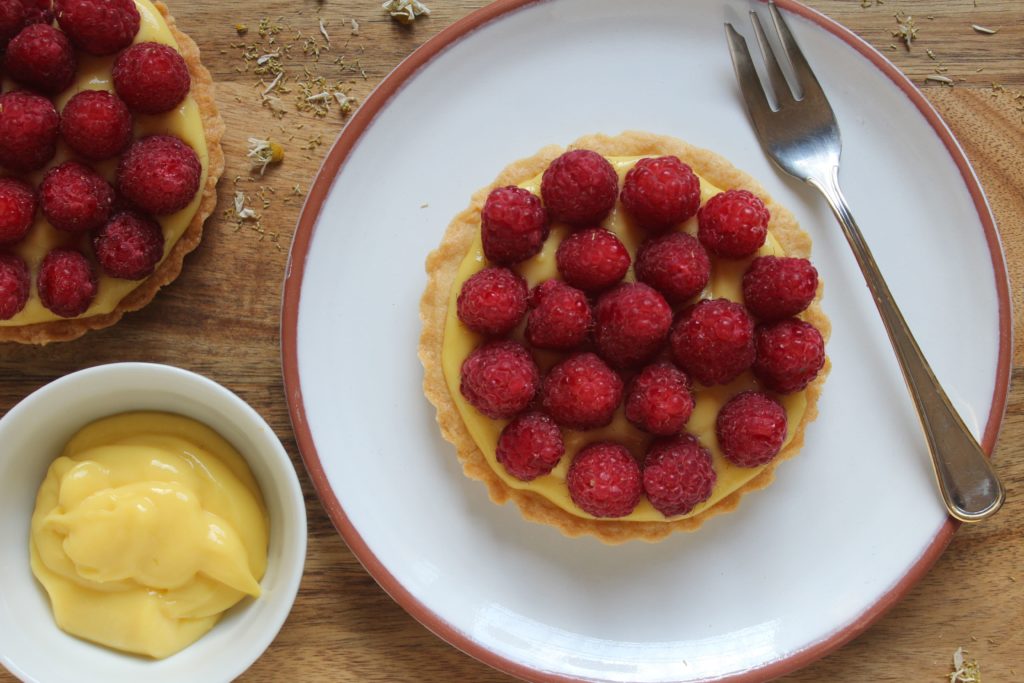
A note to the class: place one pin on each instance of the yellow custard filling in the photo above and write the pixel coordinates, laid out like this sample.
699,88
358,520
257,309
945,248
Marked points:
185,122
146,529
725,282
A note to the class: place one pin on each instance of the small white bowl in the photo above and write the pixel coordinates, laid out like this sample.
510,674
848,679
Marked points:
32,435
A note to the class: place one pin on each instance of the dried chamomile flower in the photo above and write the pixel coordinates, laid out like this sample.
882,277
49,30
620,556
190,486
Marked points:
405,11
262,153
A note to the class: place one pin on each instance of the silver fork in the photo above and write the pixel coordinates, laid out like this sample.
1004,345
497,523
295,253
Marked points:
801,136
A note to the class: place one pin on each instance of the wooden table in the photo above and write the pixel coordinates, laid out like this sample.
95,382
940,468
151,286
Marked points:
220,318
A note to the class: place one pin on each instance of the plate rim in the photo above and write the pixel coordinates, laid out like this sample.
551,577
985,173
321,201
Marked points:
299,250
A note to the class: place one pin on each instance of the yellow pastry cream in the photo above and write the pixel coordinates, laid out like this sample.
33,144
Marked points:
184,122
147,528
726,277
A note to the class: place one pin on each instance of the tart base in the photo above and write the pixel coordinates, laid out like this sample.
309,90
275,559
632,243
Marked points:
169,269
443,264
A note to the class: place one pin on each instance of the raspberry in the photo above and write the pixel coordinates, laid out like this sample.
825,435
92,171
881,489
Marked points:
592,259
678,474
751,428
67,282
96,125
790,354
75,198
14,284
733,224
17,209
581,392
499,379
28,131
151,78
41,58
37,11
675,265
579,188
713,341
159,174
659,400
513,225
775,288
660,193
561,316
129,246
604,480
12,20
633,321
493,301
99,27
530,446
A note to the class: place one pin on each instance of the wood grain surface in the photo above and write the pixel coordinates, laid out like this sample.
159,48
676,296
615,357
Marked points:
220,318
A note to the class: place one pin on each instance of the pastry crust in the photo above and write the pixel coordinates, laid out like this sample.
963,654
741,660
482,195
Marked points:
443,265
169,269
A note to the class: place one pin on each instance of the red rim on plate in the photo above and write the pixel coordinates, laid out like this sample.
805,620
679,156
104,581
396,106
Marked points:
289,342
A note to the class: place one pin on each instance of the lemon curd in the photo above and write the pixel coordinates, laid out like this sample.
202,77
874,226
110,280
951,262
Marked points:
726,277
147,528
185,122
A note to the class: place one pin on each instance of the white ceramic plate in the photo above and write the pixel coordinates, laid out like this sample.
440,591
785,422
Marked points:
799,568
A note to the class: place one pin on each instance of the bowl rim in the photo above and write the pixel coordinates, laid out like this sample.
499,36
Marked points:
292,517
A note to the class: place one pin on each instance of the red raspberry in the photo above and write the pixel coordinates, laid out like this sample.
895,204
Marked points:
675,265
604,480
660,193
633,321
733,224
151,78
790,354
581,392
499,379
75,198
129,246
751,428
659,400
28,131
37,11
67,282
12,20
678,474
530,446
713,341
561,316
99,27
579,188
775,288
159,174
41,58
14,284
513,225
493,301
17,209
592,259
96,125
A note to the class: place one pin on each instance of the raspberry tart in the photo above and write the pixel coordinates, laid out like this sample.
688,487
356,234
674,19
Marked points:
109,160
624,337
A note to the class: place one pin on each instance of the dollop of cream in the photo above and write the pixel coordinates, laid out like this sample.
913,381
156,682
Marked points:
147,528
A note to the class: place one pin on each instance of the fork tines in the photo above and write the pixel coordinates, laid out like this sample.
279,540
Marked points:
754,91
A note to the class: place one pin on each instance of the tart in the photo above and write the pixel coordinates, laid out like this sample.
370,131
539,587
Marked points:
575,353
138,245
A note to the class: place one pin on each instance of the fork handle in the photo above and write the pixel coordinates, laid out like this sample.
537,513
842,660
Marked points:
970,488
